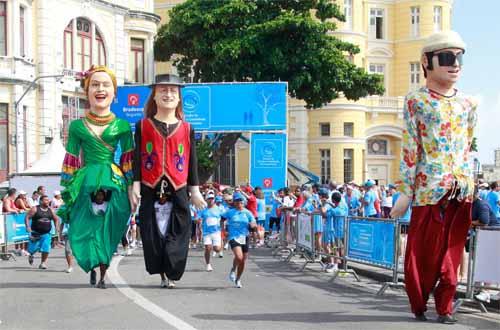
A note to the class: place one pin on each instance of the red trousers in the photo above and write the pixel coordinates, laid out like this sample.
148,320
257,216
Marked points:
436,240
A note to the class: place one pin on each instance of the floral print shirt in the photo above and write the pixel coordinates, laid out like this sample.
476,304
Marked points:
435,149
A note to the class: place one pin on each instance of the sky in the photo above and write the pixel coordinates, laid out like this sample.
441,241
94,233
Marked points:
478,23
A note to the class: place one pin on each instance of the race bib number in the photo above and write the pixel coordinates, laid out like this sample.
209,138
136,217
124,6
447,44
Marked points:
241,240
211,221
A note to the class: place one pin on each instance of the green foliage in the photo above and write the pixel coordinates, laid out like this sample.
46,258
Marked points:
264,40
204,154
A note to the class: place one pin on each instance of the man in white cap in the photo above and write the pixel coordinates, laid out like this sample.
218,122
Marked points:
436,176
57,201
211,217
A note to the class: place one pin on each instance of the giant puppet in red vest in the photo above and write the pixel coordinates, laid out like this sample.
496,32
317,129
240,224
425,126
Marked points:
164,155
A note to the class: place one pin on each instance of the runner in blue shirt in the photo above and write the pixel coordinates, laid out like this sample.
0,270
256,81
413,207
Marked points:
493,198
211,228
239,220
338,214
351,198
369,200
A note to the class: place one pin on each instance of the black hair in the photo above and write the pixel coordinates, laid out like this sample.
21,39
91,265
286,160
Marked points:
286,190
43,196
39,188
107,195
35,192
493,185
11,191
336,197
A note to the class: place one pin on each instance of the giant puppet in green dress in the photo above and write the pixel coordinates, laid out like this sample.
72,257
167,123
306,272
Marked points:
88,167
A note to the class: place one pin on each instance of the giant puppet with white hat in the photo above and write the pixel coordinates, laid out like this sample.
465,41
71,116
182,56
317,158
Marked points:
436,176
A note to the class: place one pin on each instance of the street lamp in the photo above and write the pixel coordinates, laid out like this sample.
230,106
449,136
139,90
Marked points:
17,112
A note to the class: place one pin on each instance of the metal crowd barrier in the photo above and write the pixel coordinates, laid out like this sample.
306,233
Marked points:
481,264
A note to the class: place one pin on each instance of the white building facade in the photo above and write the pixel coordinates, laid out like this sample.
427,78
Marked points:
53,40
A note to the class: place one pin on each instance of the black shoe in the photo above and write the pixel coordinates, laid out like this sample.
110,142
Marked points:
447,319
420,317
93,276
101,284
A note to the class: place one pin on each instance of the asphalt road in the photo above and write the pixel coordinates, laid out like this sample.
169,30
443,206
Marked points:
275,295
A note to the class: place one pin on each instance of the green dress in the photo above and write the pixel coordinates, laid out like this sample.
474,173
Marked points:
94,237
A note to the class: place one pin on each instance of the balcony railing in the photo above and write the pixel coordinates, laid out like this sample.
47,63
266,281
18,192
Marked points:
385,103
16,68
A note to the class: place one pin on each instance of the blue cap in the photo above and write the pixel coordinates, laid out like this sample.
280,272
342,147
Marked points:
323,192
238,197
369,183
218,198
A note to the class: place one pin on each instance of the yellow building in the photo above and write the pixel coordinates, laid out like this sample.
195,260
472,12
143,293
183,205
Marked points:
344,140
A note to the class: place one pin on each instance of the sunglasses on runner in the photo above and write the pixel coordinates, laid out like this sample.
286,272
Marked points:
449,58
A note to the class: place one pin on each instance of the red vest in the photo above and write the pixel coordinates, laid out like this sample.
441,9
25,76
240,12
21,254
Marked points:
165,156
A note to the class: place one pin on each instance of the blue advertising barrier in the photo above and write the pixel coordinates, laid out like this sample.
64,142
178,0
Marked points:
371,241
268,161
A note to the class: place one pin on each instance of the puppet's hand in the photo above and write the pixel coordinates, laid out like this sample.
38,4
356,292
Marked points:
196,198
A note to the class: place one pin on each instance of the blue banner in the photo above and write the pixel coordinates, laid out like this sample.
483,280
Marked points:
268,161
129,103
236,106
372,242
216,107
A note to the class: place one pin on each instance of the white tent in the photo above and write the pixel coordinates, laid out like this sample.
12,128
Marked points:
46,171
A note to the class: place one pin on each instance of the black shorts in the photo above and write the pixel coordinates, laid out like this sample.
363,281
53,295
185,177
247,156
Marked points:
193,229
244,247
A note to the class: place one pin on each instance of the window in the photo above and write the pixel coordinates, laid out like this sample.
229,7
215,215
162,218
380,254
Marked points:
22,50
349,129
324,129
4,138
82,39
377,23
73,108
377,147
3,28
325,165
348,14
414,75
438,18
377,69
348,165
415,21
136,60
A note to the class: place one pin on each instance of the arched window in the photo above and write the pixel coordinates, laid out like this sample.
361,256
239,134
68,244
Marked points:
78,52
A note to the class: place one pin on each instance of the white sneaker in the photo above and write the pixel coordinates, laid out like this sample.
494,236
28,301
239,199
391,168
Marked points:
214,254
221,254
209,268
43,265
226,246
128,252
170,284
232,276
331,268
483,296
133,244
238,284
69,270
163,284
24,253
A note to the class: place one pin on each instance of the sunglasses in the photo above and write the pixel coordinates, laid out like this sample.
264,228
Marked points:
449,58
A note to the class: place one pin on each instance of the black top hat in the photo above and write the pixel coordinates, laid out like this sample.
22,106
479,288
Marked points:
167,79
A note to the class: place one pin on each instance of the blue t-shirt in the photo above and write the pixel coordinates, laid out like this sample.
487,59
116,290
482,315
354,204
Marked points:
210,220
493,198
274,211
370,198
406,217
483,194
237,222
261,209
194,213
353,203
338,214
308,205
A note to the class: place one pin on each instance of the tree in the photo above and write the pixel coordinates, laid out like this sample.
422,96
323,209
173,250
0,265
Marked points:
265,40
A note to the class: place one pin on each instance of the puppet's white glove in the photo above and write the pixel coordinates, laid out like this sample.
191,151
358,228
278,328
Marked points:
134,195
196,198
399,209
